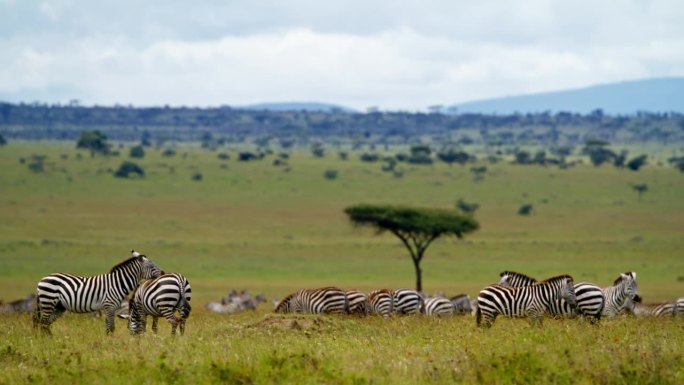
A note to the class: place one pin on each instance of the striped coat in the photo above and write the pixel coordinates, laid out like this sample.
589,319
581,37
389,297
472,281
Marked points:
437,306
60,291
381,302
160,297
624,288
407,301
527,301
315,301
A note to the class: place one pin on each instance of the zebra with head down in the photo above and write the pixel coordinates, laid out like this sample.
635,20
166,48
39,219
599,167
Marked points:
526,301
60,291
315,301
589,297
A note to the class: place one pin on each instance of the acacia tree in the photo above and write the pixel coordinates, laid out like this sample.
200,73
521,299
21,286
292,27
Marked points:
416,227
95,141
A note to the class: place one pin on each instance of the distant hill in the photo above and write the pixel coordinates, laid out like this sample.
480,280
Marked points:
297,106
626,98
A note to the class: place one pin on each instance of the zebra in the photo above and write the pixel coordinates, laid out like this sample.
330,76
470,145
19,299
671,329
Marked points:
358,302
407,301
381,302
462,304
160,297
59,292
679,307
589,297
315,301
525,301
624,288
639,309
437,306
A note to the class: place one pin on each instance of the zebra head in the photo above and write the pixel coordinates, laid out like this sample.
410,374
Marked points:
629,281
568,291
148,269
284,306
134,317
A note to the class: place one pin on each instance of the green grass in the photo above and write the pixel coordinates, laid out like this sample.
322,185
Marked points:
273,230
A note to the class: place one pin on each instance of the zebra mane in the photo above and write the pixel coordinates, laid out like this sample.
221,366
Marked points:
515,273
619,279
557,278
125,263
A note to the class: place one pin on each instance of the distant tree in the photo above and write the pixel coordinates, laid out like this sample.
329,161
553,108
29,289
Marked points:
465,207
526,209
597,152
127,168
37,163
137,152
146,139
3,141
247,156
343,155
523,157
452,156
561,151
636,163
330,174
169,152
197,176
620,159
678,162
369,157
94,141
420,154
318,150
415,227
640,188
478,172
223,156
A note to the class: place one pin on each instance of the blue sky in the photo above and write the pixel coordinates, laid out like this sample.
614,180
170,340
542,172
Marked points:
395,55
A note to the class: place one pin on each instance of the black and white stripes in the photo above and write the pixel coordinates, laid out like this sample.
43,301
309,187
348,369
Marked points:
60,291
315,301
527,301
160,297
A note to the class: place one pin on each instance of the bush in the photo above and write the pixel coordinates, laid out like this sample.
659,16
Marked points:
128,168
247,156
37,163
137,152
197,176
330,174
465,207
367,157
636,163
223,156
169,152
526,209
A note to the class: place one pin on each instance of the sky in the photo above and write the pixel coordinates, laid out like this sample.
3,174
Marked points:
388,54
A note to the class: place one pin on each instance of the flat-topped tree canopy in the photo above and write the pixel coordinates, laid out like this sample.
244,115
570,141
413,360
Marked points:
416,227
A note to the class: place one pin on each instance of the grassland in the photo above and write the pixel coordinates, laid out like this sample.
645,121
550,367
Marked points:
274,229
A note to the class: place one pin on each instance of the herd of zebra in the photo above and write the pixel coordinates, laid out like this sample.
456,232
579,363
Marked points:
158,294
515,295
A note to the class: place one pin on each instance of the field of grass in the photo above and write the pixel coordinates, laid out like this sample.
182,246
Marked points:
274,229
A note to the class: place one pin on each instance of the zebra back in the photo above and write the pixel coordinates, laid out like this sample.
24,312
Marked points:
316,301
437,306
515,279
381,302
160,297
358,302
407,301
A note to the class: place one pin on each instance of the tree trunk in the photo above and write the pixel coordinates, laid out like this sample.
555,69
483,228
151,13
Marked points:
419,275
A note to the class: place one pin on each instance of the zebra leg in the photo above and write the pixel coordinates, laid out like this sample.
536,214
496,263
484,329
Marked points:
171,317
182,326
155,324
109,311
36,314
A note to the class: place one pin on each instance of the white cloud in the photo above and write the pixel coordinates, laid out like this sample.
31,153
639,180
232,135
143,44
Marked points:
396,55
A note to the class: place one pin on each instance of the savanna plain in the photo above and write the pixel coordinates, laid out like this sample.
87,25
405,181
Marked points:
275,229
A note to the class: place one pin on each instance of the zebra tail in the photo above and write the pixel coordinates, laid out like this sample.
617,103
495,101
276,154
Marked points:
182,302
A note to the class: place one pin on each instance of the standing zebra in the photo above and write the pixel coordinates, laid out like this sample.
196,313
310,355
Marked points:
315,301
358,302
526,301
624,288
589,297
381,302
160,297
407,301
437,306
60,292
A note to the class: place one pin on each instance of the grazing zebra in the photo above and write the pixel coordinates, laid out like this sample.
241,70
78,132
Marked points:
315,301
60,292
462,304
437,306
639,309
358,302
407,301
526,301
679,307
589,297
624,288
381,302
160,297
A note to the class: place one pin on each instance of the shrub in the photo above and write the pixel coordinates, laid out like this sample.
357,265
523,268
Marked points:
330,174
127,168
197,176
465,207
223,156
636,163
526,209
368,157
169,152
247,156
137,152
